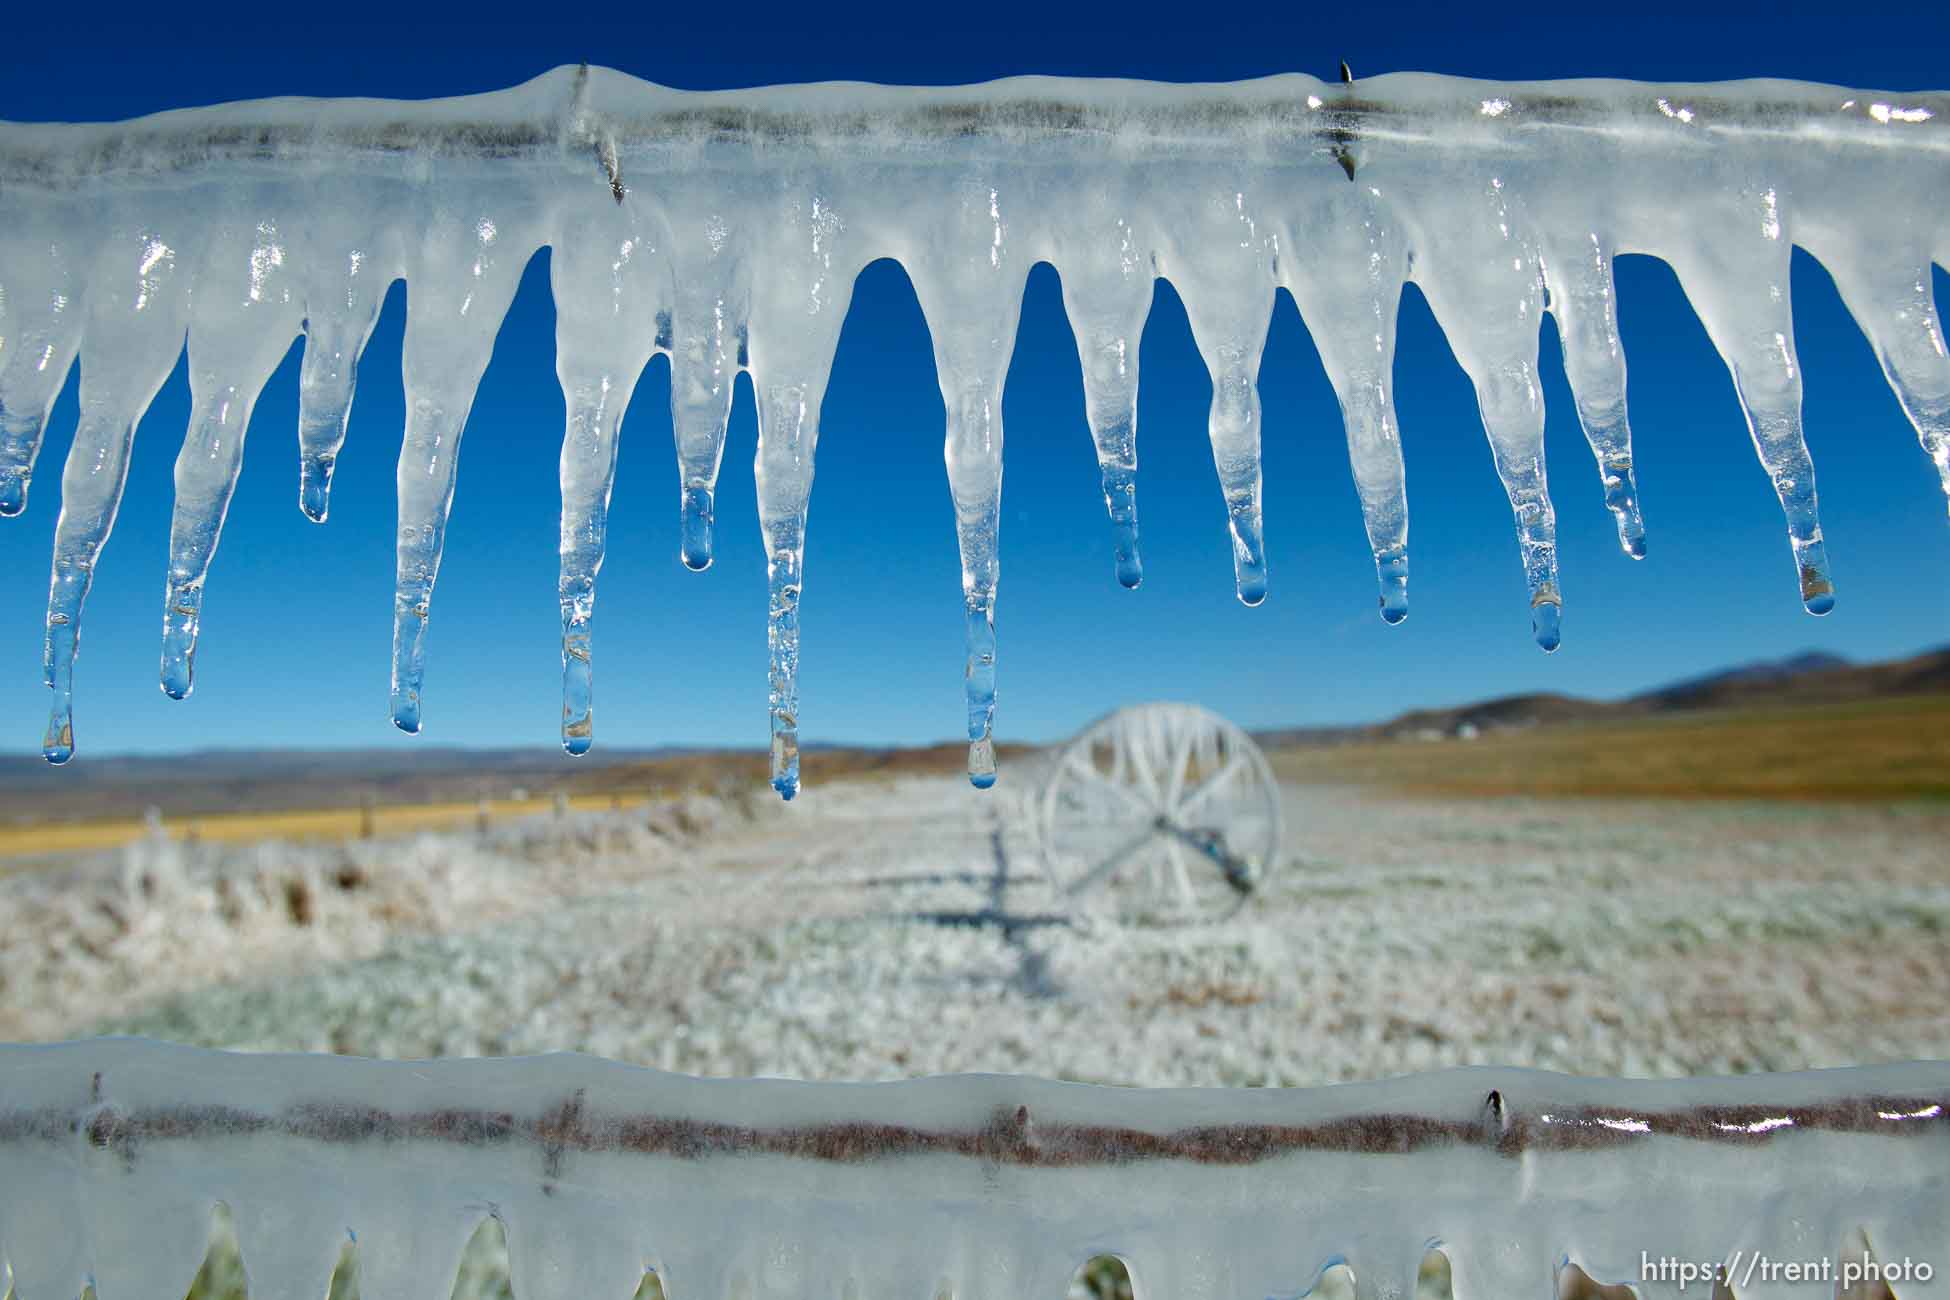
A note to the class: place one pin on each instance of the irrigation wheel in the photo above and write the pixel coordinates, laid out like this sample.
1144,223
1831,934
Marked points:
1160,813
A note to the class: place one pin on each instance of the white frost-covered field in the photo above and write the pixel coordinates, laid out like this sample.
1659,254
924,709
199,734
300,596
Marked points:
872,931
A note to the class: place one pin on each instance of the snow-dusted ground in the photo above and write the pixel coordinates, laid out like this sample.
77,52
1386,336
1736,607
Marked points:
874,931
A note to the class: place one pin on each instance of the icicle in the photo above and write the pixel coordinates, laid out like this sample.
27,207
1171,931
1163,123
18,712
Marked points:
1513,414
582,1250
343,294
40,1248
133,336
1895,304
1234,427
785,553
595,406
970,290
1387,1265
242,320
1223,274
691,1270
146,1239
460,287
1267,1263
40,331
798,305
1172,1267
707,340
973,451
1347,277
1511,1262
410,1251
1583,300
788,435
998,1257
1107,289
1736,276
289,1244
607,303
28,388
1485,286
1907,1230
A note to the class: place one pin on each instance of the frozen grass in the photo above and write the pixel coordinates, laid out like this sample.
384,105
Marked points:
881,931
114,934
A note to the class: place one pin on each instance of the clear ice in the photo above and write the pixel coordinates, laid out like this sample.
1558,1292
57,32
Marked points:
725,230
975,1187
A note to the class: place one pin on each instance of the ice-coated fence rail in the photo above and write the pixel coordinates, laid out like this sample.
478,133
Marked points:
726,229
113,1154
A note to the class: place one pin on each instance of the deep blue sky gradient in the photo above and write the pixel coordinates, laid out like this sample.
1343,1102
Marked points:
297,617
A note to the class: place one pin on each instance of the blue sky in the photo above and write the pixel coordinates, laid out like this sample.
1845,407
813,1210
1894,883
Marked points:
297,617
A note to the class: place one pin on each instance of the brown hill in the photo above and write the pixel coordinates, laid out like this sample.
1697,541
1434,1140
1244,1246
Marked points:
1803,680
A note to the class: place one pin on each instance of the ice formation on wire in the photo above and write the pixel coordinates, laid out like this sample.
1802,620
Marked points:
725,229
976,1186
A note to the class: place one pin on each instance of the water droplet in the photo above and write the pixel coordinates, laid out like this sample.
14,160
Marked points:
1120,496
1817,589
980,689
588,474
23,422
578,689
981,763
1391,572
1545,614
409,653
206,478
430,452
315,485
697,513
1248,551
327,378
57,745
180,620
785,755
75,554
1622,499
782,638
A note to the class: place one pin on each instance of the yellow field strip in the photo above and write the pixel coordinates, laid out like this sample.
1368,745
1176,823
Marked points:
1893,748
296,824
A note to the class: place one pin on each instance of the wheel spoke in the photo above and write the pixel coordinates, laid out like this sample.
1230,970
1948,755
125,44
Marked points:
1176,856
1181,757
1097,780
1212,784
1140,755
1110,863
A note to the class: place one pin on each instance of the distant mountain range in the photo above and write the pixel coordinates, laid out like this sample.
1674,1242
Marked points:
218,781
1809,678
212,781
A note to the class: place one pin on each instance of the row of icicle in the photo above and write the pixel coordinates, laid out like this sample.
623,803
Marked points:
708,346
221,412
